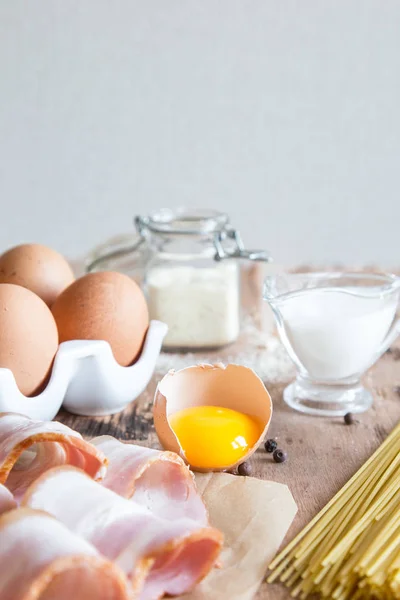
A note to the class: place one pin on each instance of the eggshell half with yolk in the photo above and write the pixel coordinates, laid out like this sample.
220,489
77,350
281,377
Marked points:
231,387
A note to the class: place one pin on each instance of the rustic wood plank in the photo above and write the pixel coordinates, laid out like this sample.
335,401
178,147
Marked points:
323,453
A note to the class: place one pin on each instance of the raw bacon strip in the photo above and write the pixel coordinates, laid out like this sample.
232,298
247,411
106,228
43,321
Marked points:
40,559
7,501
38,446
158,480
161,556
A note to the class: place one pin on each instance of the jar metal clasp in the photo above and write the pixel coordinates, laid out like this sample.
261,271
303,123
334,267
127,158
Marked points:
236,249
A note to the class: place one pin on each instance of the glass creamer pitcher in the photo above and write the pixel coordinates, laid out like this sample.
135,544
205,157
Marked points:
334,326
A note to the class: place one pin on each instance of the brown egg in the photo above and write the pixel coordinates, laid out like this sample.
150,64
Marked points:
28,337
213,440
37,268
104,306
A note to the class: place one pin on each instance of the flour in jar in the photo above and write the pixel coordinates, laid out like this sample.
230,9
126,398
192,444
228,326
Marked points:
199,304
334,334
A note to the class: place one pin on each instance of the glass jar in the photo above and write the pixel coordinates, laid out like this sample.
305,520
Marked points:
188,262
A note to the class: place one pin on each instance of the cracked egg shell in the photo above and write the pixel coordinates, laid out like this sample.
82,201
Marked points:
231,387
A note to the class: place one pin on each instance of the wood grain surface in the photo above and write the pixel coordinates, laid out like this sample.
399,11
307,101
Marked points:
323,453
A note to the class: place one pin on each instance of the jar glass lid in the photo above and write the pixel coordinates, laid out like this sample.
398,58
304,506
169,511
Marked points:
184,221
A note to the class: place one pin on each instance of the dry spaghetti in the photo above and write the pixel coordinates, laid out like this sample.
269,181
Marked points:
351,549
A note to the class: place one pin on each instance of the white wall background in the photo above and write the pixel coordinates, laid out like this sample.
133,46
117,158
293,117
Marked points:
285,113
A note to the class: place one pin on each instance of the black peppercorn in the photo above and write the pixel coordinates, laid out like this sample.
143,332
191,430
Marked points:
245,469
270,445
349,418
279,456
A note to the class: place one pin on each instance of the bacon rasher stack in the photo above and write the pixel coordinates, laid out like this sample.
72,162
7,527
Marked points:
96,521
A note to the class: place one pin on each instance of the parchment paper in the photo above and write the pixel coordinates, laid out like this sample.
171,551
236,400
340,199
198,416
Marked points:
254,516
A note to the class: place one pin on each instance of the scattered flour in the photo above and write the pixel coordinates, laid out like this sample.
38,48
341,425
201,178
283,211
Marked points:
262,352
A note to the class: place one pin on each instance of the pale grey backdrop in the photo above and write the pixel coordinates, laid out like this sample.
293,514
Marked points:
284,113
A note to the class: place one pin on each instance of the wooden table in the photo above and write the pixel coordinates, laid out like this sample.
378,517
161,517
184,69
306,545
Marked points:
323,453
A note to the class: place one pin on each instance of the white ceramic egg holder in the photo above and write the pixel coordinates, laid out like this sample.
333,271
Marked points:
86,380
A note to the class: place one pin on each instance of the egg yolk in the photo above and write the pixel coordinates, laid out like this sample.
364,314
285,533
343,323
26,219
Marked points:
213,437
